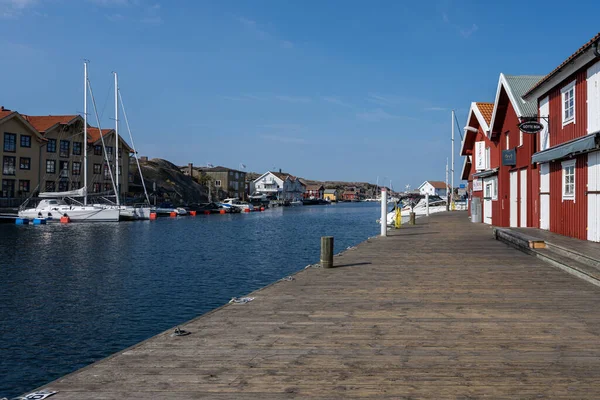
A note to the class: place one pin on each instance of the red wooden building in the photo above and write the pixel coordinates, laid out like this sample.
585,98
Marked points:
568,150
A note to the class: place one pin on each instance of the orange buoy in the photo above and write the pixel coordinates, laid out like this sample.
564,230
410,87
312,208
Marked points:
152,215
206,212
173,213
222,212
246,210
262,209
65,219
193,213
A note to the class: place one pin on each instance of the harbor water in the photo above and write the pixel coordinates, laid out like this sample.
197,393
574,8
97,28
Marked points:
73,294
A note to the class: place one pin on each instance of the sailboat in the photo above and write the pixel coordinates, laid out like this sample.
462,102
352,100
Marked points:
54,206
126,213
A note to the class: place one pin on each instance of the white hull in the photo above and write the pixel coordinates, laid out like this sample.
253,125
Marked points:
75,213
419,212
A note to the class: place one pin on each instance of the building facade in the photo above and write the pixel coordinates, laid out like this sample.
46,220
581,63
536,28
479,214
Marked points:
281,185
331,195
434,188
314,192
222,181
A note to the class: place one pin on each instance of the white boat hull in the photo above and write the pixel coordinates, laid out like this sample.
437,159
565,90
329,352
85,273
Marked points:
75,213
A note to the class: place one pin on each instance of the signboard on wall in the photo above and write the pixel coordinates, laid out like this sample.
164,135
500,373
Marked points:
480,156
509,157
477,185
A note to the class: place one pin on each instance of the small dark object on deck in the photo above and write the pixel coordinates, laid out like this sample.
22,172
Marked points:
327,251
180,332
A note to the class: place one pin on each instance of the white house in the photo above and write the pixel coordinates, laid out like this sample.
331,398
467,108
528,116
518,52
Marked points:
283,186
434,188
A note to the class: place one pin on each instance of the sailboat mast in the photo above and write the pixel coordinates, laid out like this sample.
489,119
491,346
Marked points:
452,166
117,139
85,78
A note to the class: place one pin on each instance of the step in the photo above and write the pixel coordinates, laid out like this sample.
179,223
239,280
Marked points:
566,263
518,239
579,257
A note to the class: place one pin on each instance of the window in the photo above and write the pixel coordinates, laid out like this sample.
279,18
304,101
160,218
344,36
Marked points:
96,188
25,163
76,148
520,138
218,183
63,186
106,172
75,185
119,170
25,141
568,103
64,148
24,186
107,187
97,150
8,187
568,180
487,158
8,166
507,141
64,169
10,142
109,151
50,186
50,166
51,146
76,168
97,169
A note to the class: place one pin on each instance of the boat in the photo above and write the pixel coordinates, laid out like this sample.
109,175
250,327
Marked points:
211,208
296,203
236,203
53,205
165,209
314,202
181,211
436,205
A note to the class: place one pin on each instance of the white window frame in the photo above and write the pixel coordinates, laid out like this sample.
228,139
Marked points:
218,183
488,157
520,138
507,141
563,92
565,165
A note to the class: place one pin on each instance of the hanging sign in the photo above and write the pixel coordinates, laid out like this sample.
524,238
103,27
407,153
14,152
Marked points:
477,185
509,157
480,156
531,127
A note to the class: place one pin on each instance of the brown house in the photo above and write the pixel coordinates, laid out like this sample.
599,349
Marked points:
314,192
20,154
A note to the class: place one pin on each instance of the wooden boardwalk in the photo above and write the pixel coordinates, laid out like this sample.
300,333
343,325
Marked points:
439,310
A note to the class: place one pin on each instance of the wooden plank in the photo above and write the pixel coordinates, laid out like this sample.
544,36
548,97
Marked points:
436,310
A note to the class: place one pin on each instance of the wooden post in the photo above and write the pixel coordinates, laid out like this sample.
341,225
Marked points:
383,219
412,217
327,251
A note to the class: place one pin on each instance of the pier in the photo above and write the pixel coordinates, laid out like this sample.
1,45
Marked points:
435,310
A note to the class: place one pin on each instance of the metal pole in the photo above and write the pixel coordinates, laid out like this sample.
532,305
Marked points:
427,204
117,190
85,77
452,180
383,212
447,198
327,251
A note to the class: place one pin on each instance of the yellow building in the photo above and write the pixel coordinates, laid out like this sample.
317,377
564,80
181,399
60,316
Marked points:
331,195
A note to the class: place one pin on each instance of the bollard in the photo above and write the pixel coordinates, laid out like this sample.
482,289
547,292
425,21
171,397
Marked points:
427,204
383,219
327,251
412,218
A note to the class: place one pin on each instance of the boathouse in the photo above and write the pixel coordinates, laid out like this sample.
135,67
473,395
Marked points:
568,150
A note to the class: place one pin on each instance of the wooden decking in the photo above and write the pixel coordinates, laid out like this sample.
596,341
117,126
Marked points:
439,310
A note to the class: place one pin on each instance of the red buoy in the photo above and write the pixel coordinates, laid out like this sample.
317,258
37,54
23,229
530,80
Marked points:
152,215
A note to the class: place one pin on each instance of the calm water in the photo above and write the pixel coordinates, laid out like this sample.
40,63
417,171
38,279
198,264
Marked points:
73,294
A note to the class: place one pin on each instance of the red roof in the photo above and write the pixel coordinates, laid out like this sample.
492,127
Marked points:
94,136
438,184
5,112
568,60
486,110
44,122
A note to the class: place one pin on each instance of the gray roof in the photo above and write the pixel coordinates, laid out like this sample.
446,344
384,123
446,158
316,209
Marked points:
518,86
330,191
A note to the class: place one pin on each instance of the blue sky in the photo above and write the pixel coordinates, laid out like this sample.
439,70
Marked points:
344,90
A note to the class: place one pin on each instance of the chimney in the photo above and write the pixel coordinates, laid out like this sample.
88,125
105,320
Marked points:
279,170
190,169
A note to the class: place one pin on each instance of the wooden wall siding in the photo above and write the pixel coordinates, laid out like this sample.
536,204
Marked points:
558,133
569,217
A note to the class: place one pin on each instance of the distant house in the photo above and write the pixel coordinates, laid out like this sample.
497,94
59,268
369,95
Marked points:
281,185
351,194
331,194
314,192
434,188
224,181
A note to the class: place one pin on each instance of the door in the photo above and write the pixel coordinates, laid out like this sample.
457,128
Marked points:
487,201
523,198
593,98
545,196
593,196
513,198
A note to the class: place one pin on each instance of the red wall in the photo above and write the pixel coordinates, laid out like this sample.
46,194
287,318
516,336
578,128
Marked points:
558,133
569,217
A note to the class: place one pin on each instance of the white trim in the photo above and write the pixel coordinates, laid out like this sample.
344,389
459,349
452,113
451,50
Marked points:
482,125
568,164
516,105
567,70
563,90
507,141
520,138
